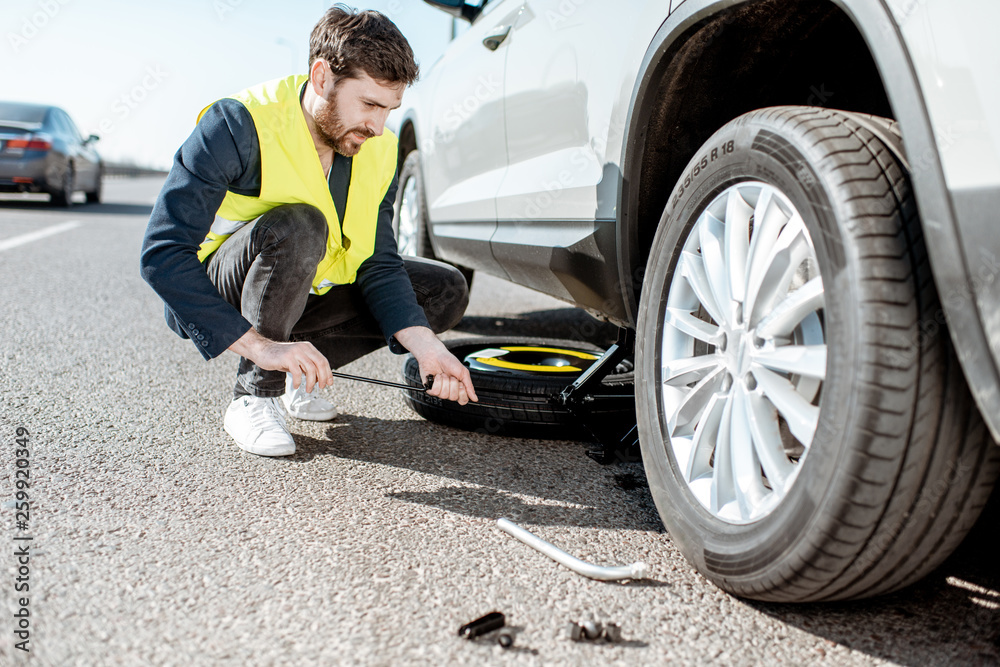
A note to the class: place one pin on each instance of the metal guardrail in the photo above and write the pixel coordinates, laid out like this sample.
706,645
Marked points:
115,171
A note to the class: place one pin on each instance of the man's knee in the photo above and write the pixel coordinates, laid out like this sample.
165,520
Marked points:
302,226
448,298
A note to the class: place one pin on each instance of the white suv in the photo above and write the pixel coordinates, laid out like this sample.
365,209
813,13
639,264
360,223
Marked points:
790,202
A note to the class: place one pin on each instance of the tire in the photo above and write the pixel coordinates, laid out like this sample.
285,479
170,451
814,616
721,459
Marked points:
64,195
94,197
879,462
409,222
515,401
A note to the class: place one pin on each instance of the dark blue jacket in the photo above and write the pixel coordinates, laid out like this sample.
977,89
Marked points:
223,154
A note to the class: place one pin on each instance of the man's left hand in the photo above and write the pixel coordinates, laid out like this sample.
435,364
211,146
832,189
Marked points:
452,380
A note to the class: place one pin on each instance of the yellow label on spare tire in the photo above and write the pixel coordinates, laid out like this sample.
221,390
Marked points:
557,350
499,362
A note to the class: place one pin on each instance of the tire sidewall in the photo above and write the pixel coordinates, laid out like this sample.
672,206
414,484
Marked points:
749,551
411,171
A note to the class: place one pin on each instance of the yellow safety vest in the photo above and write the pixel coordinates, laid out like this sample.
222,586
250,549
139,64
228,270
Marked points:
291,173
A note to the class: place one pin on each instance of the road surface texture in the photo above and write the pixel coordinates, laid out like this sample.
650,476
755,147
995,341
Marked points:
156,541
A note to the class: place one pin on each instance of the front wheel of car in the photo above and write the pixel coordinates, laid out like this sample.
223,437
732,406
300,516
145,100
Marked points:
410,221
805,426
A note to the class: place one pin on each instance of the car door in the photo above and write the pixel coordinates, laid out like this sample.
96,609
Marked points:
88,161
570,65
84,156
463,147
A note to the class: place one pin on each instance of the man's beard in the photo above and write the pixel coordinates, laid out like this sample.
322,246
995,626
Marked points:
331,130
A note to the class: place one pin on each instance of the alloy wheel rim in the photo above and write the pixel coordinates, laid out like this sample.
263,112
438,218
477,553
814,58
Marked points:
409,211
744,352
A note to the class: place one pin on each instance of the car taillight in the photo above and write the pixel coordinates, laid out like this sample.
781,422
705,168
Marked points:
31,144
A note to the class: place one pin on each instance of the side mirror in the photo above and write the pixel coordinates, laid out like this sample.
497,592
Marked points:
457,8
91,139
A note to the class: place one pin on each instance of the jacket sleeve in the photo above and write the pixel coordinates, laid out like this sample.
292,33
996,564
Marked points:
218,156
384,283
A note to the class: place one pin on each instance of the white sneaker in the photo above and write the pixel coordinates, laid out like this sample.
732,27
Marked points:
306,405
258,426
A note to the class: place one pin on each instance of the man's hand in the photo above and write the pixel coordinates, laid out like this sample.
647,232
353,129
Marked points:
296,358
451,378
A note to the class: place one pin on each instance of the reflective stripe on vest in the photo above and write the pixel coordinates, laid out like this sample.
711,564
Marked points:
291,173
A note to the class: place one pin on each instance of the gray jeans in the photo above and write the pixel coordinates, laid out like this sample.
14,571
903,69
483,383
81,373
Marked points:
266,270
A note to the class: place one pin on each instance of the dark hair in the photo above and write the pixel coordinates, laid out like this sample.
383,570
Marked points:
351,40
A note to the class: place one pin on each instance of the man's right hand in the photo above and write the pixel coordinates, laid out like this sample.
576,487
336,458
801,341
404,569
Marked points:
296,358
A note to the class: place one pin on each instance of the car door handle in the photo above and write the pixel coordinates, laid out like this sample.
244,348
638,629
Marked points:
495,38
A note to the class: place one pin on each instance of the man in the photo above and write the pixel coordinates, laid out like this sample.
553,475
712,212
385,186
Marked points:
272,236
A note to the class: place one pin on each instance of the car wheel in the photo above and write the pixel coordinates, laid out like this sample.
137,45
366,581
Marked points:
410,223
64,195
94,197
805,426
516,380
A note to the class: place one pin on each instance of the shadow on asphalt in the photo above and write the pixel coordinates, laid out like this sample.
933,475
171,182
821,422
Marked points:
916,626
108,208
919,625
486,477
483,476
493,463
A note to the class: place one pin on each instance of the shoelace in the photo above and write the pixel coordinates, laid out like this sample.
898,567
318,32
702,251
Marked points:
267,412
300,397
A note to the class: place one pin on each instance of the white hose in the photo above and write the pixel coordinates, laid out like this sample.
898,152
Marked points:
633,571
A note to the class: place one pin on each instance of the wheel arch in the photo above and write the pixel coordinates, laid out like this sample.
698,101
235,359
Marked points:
407,139
713,60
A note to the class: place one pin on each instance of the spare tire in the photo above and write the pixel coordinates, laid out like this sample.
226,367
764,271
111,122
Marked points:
517,380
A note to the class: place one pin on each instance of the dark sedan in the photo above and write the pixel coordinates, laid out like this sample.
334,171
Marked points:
41,150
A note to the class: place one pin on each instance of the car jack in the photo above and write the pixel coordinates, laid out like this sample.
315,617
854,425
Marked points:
588,400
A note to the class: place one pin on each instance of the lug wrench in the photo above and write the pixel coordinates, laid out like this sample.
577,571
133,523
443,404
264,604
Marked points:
385,383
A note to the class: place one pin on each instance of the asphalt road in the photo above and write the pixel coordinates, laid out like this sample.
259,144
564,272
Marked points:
155,540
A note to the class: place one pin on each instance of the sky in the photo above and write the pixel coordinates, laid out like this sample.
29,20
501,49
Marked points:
137,73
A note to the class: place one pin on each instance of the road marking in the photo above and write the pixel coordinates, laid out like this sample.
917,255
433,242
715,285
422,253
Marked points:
7,244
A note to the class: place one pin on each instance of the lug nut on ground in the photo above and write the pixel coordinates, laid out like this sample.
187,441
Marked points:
574,631
594,631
